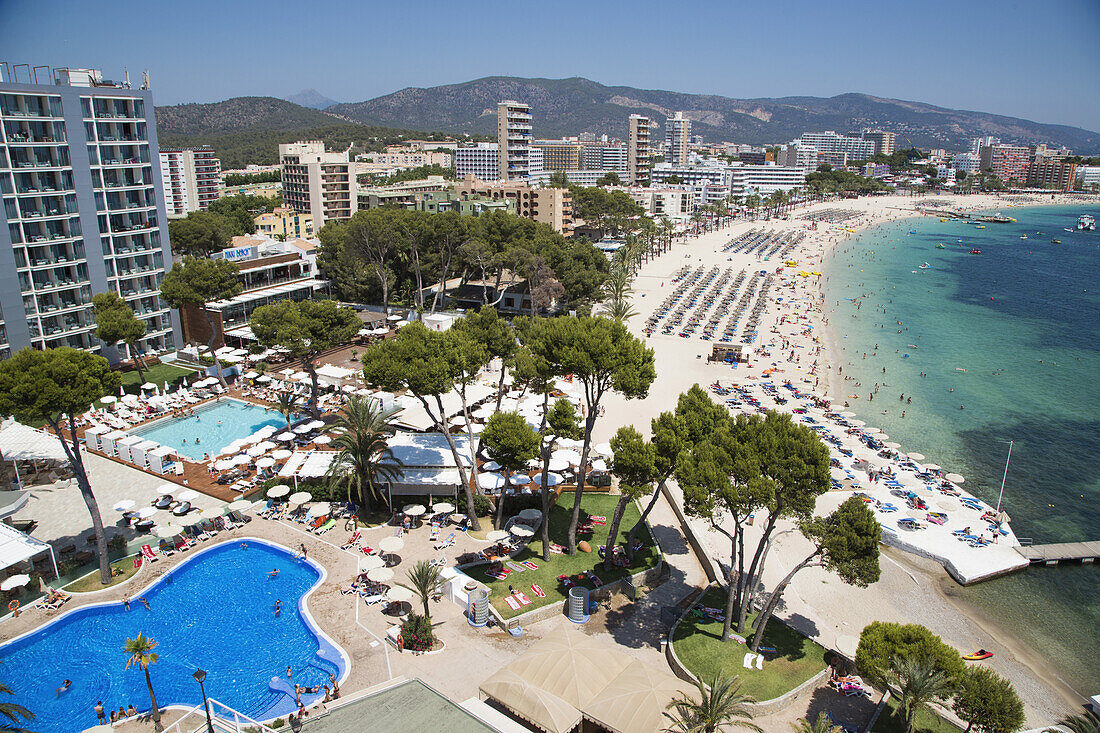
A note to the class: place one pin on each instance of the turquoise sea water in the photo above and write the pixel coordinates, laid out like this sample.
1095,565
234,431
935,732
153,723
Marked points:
1023,320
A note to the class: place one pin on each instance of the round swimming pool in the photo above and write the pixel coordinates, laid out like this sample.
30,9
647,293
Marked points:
214,611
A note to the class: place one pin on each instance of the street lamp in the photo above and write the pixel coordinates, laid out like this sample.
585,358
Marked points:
199,676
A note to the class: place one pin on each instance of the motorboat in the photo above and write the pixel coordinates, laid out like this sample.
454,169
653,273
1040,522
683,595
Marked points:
1086,222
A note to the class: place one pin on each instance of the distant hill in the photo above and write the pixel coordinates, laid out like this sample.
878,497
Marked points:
570,106
311,98
249,129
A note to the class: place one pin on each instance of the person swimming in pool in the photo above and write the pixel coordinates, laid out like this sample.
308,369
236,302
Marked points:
278,609
64,686
145,603
273,574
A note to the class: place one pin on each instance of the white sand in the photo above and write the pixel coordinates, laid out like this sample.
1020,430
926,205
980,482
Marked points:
817,601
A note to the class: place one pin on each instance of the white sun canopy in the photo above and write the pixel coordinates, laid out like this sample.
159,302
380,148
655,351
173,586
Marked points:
19,442
16,547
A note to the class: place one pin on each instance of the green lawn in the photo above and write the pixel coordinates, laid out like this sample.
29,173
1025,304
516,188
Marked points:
90,582
546,576
700,648
926,721
157,374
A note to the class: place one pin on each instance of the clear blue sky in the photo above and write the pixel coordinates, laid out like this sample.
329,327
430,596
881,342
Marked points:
1037,60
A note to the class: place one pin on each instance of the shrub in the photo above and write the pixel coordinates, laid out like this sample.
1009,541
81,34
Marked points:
117,543
482,505
416,633
881,642
988,702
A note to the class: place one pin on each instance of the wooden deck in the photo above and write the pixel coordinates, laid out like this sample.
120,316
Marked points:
1053,554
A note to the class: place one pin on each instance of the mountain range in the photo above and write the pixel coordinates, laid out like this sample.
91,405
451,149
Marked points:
311,98
571,106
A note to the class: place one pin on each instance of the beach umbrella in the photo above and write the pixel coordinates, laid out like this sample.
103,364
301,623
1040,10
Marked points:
282,454
399,594
894,446
954,478
302,429
147,512
212,513
241,460
604,449
148,385
266,445
443,507
315,424
457,421
871,431
164,531
322,440
15,581
319,509
224,464
370,562
265,462
558,464
552,479
599,465
380,331
932,466
188,495
490,480
108,399
1003,518
393,317
414,510
570,456
239,505
847,414
496,535
380,575
857,423
484,412
490,466
285,437
916,456
166,489
521,530
300,497
391,544
263,378
458,518
125,505
256,451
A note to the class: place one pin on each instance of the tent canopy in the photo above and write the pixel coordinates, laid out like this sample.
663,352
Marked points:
19,442
16,547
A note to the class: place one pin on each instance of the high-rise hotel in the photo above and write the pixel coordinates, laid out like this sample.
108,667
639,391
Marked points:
514,139
84,210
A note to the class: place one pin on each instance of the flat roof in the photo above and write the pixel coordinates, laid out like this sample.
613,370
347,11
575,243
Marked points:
408,706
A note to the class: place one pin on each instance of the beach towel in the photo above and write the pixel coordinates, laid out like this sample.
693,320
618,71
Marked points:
557,549
523,599
518,567
766,649
538,591
598,520
530,565
512,603
595,579
498,574
760,661
749,657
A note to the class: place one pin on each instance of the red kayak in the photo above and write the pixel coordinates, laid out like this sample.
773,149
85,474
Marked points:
978,655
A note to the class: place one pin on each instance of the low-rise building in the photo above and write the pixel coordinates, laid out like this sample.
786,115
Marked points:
403,158
1088,176
282,223
404,193
551,206
659,201
270,271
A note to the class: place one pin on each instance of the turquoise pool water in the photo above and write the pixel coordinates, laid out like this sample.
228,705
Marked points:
213,612
214,426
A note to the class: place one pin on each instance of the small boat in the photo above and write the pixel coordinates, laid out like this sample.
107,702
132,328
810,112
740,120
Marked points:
1064,229
925,266
959,369
980,226
978,655
1023,236
940,246
975,251
1056,241
1086,222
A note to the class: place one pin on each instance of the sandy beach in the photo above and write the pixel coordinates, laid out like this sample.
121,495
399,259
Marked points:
794,339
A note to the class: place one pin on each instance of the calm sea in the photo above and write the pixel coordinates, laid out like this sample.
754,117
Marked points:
990,348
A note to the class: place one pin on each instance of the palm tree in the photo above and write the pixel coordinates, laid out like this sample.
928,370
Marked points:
1086,722
619,310
361,434
719,704
917,682
288,406
140,649
821,725
11,712
424,581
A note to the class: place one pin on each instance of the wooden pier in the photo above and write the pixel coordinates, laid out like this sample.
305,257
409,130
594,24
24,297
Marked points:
1060,552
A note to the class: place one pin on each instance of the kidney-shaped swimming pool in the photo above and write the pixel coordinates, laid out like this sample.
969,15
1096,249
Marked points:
214,611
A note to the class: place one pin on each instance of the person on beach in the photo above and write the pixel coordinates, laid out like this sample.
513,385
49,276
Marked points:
100,715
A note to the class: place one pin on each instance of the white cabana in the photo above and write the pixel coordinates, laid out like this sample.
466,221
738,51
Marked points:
16,547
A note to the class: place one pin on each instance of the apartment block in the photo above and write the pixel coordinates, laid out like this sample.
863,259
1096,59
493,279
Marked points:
404,193
551,206
514,140
1007,162
677,139
283,223
830,142
560,155
192,179
883,140
1053,174
482,161
84,211
969,162
318,183
405,158
638,151
764,179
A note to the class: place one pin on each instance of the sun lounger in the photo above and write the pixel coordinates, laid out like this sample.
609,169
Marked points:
148,554
353,542
317,523
325,527
447,542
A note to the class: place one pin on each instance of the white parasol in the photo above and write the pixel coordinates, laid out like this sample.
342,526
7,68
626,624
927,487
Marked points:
520,479
414,510
300,497
916,456
322,440
496,535
125,505
380,575
188,495
520,530
282,454
212,513
604,449
370,562
239,505
955,478
319,509
490,466
265,462
399,594
443,507
285,437
109,399
490,480
166,489
391,544
15,581
278,492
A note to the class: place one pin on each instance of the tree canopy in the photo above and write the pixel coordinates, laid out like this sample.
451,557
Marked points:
200,234
608,211
881,642
988,702
196,281
305,329
116,322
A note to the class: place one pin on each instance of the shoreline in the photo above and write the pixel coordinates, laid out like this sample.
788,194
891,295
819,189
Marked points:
903,595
